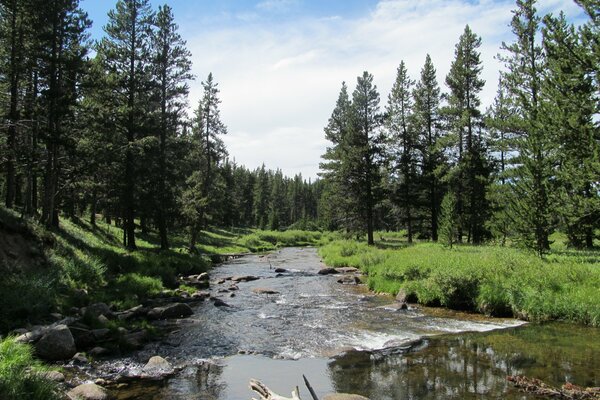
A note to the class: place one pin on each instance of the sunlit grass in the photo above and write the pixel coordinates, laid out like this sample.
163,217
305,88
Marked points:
489,279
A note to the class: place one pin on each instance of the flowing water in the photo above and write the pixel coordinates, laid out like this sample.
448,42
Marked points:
345,339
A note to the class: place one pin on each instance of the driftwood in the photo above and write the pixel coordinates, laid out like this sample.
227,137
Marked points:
567,391
267,394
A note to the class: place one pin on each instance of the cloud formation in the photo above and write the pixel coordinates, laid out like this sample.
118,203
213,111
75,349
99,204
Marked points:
279,79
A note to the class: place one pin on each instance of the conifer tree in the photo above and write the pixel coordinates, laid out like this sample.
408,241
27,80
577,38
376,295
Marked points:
568,107
530,205
449,219
427,125
171,65
399,122
205,186
125,53
470,174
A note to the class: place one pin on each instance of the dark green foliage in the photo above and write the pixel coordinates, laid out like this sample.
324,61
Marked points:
448,228
530,201
469,174
403,155
427,125
353,163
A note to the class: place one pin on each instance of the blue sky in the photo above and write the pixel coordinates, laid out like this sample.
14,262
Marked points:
280,63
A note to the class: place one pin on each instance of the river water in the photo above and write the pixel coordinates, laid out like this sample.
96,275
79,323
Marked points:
345,339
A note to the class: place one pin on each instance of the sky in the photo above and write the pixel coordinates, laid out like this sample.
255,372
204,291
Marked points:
280,63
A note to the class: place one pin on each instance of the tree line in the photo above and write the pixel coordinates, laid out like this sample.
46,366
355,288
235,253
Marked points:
101,128
436,164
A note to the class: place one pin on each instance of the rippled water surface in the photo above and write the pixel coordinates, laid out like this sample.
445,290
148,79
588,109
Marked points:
313,319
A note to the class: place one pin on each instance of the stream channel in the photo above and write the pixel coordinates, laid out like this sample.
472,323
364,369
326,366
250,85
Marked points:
346,339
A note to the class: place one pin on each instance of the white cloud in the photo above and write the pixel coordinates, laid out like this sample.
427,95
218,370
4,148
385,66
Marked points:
279,82
277,5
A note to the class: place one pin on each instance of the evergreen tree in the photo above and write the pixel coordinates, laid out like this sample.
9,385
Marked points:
172,65
205,187
449,219
470,174
399,122
427,120
126,56
568,106
363,152
530,207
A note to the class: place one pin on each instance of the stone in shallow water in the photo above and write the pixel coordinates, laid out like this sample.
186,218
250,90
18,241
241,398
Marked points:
88,391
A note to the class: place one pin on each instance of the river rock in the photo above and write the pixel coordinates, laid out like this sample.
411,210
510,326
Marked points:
53,376
328,271
280,270
83,337
200,295
264,291
157,368
233,288
80,358
219,303
395,306
244,278
349,280
173,310
98,351
88,391
203,276
347,270
57,343
96,310
344,396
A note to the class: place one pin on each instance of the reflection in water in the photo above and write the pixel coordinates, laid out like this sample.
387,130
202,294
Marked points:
314,317
475,364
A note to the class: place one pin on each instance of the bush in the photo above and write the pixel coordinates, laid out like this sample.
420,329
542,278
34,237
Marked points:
21,376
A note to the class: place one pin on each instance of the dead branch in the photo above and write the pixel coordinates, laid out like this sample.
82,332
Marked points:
267,394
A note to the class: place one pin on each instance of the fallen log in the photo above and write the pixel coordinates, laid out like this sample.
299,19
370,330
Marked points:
267,394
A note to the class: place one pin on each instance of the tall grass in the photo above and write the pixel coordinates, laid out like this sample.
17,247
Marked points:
22,376
492,280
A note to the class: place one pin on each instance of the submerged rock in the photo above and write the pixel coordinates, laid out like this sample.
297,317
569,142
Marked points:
244,278
264,291
219,303
280,270
349,280
328,271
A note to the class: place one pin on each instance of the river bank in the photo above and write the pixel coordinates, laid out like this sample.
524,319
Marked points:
492,280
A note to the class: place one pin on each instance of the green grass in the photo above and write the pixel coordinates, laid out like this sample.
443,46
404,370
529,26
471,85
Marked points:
21,376
493,280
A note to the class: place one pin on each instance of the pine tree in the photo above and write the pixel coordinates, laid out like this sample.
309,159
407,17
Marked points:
126,56
205,186
427,120
470,174
399,123
172,65
530,208
568,108
449,219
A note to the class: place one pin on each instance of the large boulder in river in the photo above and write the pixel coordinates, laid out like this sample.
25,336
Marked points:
173,310
56,343
87,391
344,396
157,368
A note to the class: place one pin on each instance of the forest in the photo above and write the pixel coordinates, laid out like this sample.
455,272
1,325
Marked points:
113,184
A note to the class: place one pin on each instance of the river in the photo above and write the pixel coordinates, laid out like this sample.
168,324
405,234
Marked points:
346,339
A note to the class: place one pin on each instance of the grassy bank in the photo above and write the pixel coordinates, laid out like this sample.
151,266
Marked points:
80,256
21,376
494,280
